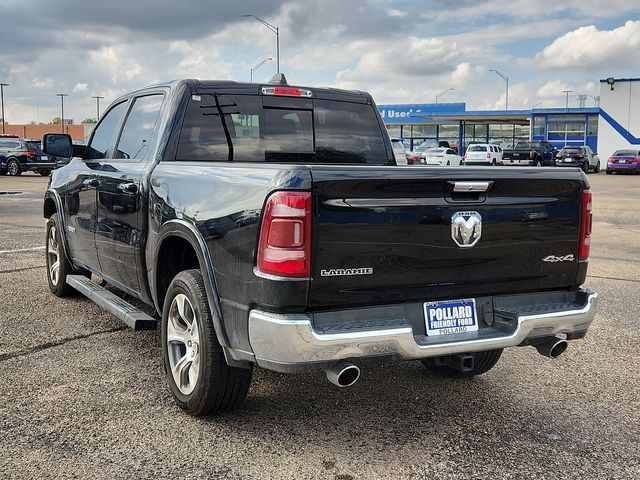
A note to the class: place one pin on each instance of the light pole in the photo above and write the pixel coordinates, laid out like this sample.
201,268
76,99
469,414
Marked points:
275,30
442,93
2,85
62,95
97,97
254,68
506,79
567,92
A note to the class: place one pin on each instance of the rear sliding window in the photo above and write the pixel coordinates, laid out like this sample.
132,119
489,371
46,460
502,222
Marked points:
241,128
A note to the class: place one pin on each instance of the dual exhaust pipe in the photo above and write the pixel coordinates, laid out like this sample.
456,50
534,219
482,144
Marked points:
344,374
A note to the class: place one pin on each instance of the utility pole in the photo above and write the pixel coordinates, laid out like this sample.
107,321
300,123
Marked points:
62,95
2,85
506,79
97,97
567,92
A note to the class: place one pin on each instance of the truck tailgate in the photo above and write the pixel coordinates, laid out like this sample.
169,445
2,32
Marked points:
384,234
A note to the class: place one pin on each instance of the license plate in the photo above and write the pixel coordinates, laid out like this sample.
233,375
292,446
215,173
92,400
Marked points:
568,160
622,161
451,316
44,158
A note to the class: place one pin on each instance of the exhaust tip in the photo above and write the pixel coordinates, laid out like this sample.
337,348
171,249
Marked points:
553,347
343,374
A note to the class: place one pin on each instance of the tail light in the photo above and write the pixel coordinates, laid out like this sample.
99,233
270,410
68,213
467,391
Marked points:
30,153
284,248
488,155
531,154
586,223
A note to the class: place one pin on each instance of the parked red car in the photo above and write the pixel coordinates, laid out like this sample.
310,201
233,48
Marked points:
624,161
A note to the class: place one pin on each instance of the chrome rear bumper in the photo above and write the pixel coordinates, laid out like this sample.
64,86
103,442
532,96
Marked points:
289,343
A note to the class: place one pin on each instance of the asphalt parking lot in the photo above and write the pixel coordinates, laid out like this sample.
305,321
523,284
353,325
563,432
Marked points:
81,396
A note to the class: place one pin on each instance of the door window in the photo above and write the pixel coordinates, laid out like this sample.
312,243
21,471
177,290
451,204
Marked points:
103,134
138,128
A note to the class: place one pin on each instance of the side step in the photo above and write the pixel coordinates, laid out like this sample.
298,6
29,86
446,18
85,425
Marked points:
134,318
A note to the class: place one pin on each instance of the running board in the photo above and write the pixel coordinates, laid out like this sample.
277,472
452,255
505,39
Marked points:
134,318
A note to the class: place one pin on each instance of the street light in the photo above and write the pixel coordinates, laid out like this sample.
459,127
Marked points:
62,95
506,79
2,85
275,30
253,69
442,93
567,92
97,97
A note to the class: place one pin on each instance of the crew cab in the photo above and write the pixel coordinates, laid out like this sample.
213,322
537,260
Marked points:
269,225
530,153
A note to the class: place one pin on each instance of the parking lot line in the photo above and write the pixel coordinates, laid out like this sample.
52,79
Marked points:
23,250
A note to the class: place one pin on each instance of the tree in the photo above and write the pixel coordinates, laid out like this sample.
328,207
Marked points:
89,120
56,121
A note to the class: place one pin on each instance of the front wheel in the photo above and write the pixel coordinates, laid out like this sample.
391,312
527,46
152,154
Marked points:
597,169
58,267
482,363
196,371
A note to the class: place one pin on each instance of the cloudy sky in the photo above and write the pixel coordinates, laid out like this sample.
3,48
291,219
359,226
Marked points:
400,50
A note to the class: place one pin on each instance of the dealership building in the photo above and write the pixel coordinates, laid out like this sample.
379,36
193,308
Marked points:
612,125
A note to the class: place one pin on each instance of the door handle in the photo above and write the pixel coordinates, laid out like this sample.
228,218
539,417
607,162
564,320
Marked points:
128,187
91,182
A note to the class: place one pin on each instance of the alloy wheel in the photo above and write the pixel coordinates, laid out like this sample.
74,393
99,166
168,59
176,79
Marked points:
13,168
53,256
183,344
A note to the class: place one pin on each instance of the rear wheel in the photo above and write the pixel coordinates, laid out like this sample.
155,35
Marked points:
196,371
585,167
482,363
44,173
493,162
597,169
13,168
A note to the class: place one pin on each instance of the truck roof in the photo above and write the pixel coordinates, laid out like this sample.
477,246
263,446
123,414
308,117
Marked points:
248,88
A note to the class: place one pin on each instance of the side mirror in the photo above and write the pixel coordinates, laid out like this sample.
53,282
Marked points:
57,144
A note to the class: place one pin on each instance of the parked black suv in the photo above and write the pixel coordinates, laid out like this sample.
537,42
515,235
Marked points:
17,156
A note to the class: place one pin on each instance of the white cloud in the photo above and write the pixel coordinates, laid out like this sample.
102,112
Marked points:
81,87
587,48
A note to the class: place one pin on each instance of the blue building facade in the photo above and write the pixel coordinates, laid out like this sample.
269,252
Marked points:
452,122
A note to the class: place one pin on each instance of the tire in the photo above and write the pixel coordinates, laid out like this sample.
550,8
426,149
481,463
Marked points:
13,167
494,163
44,173
585,167
3,172
482,363
211,386
448,163
54,253
609,172
597,168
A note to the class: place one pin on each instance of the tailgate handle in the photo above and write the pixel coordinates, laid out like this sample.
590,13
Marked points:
471,187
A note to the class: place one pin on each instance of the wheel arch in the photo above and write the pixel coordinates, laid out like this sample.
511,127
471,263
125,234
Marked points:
184,236
53,204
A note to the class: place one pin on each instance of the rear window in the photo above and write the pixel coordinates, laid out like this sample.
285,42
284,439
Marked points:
242,128
571,150
477,148
626,153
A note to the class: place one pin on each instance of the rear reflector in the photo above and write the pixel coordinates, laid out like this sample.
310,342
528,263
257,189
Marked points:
284,248
586,223
287,91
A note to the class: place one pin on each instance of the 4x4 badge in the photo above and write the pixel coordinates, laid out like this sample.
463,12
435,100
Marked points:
466,228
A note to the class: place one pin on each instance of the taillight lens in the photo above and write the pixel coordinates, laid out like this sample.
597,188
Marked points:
586,223
488,155
30,153
284,248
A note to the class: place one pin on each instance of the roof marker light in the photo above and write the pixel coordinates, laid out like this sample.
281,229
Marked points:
287,91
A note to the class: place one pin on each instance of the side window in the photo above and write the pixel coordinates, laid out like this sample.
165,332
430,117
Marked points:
138,128
104,131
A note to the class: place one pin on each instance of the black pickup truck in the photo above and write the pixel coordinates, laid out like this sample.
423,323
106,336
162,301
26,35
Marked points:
269,225
528,153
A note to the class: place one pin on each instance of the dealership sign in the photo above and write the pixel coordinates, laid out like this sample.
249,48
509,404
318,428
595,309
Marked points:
417,113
